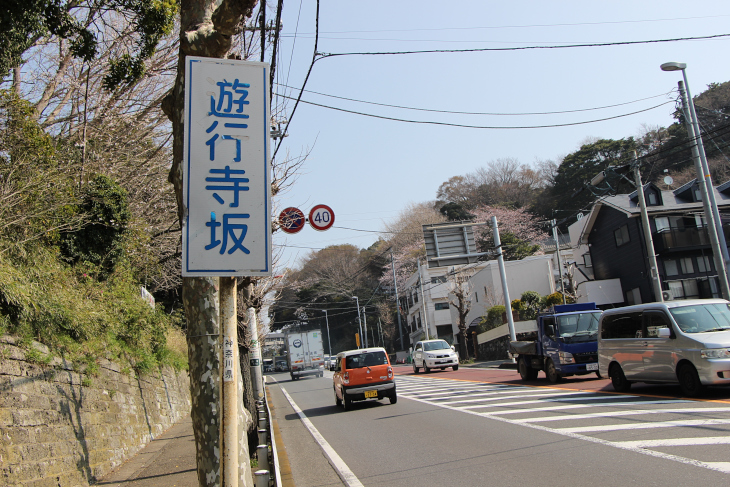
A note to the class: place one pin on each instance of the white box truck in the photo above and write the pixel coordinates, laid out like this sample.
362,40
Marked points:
305,354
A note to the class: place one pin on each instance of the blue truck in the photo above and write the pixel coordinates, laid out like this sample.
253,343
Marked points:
564,344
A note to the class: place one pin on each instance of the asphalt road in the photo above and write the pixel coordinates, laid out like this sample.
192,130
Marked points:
477,427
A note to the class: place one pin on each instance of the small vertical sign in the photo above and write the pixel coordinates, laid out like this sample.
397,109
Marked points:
228,359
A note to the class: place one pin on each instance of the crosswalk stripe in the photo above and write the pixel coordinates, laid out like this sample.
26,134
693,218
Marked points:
502,398
632,426
708,440
579,406
632,412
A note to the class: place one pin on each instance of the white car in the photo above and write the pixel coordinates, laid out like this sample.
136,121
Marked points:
434,354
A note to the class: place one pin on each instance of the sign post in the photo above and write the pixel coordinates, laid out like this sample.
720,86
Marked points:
226,230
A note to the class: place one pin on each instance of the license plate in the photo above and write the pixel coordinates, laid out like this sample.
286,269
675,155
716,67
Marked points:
371,394
591,366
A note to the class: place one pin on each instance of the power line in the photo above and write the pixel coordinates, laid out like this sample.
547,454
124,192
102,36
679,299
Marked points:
482,113
324,55
440,29
504,127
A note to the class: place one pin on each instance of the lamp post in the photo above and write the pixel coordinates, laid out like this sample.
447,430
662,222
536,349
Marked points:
359,321
329,343
712,214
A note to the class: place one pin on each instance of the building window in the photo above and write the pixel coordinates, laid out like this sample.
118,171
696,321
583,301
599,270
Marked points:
587,260
686,264
633,296
661,223
698,195
652,198
476,297
621,235
703,264
441,306
684,289
438,280
670,267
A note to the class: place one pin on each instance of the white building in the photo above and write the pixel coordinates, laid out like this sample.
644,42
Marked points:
530,274
430,305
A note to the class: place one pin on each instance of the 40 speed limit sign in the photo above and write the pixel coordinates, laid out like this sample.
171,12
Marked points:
321,217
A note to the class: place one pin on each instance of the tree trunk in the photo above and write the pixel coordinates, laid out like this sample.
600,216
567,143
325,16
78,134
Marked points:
463,348
206,28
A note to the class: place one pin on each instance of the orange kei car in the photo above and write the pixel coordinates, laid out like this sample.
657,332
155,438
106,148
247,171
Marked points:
363,374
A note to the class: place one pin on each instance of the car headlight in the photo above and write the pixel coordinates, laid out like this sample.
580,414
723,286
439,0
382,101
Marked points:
566,358
428,355
715,353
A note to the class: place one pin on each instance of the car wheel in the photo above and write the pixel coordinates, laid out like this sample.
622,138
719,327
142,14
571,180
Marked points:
598,374
618,379
455,367
426,369
689,380
552,373
338,401
415,369
347,401
393,398
523,368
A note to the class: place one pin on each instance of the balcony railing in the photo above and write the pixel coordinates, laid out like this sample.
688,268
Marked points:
672,239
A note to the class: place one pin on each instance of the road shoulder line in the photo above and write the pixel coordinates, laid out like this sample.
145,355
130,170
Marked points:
343,471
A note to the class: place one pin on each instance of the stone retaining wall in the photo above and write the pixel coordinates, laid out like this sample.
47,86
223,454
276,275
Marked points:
60,428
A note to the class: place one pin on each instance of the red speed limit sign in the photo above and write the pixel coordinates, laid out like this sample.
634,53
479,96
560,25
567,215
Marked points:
321,217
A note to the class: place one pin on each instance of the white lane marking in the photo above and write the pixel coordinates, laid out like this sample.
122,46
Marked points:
659,424
502,398
577,406
708,440
337,463
568,417
421,388
717,466
722,466
471,392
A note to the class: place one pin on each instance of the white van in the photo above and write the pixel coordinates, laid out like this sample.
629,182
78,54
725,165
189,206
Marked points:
685,342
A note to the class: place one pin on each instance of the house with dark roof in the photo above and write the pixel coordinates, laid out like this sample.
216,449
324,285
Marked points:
614,235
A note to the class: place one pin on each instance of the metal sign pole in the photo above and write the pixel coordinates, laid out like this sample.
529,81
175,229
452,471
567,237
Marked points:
255,356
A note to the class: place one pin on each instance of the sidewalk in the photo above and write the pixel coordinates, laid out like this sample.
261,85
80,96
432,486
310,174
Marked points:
167,461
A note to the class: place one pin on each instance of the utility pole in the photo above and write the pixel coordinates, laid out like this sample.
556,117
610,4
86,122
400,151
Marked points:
397,302
717,253
229,381
329,344
503,275
359,321
365,326
560,261
653,268
423,301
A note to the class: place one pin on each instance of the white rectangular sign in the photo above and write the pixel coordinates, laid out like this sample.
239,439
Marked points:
226,186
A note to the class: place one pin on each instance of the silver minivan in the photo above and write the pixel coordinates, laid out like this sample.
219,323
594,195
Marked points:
685,342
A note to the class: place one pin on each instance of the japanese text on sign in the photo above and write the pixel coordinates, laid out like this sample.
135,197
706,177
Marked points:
226,230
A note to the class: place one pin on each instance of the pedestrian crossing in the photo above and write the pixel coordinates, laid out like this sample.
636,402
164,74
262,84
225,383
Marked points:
683,430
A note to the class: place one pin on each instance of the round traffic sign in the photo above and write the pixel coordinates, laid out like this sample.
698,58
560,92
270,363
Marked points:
321,217
291,220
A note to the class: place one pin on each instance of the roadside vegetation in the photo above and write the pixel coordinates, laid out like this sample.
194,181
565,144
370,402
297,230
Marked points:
74,252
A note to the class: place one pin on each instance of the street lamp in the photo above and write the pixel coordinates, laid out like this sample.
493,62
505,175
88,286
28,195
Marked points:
357,303
712,214
329,343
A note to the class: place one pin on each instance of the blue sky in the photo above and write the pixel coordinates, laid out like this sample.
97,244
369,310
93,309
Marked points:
369,169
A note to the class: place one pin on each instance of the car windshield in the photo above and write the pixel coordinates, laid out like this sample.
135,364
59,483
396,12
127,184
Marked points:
581,327
438,345
366,359
702,318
